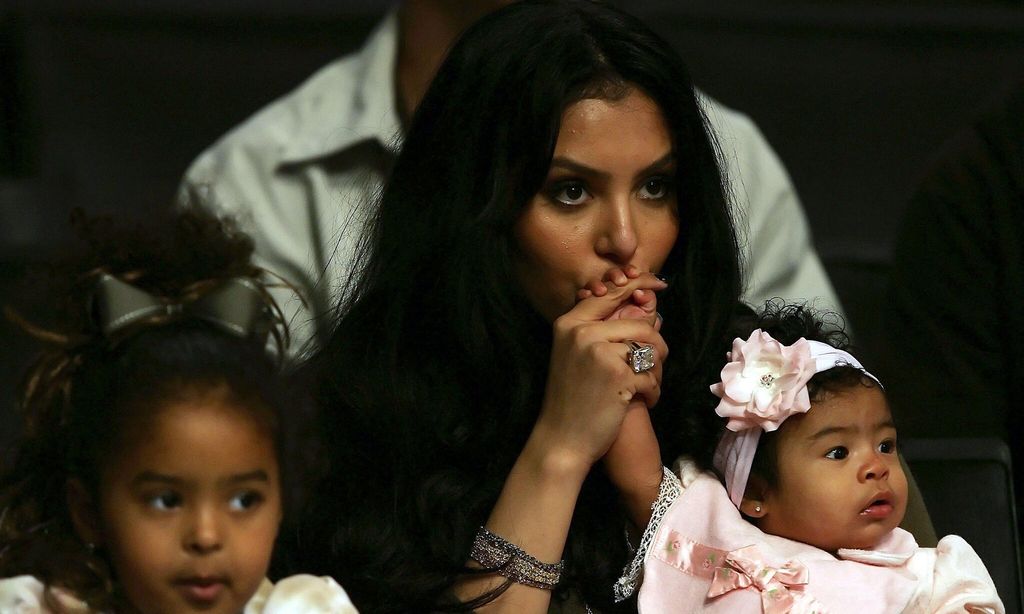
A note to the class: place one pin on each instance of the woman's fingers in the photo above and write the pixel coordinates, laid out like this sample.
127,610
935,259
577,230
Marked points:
613,277
623,331
590,381
593,308
648,382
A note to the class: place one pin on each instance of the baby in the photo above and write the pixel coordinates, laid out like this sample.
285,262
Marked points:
813,495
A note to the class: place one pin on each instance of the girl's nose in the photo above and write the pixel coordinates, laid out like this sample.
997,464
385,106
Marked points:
617,238
205,534
874,468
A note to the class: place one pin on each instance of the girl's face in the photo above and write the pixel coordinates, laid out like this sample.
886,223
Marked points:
609,200
189,511
840,482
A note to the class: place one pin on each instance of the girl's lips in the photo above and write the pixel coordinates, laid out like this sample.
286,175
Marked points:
881,507
201,590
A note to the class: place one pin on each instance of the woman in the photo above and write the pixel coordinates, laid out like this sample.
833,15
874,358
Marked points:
465,385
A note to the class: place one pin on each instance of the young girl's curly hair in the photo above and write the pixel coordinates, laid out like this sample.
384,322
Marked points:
82,390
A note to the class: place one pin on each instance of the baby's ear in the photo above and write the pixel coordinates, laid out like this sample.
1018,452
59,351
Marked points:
755,497
83,509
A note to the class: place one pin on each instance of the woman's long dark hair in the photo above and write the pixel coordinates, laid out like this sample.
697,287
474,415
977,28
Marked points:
434,375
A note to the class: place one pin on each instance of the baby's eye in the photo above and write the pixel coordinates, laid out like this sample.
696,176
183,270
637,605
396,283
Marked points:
165,501
837,453
887,447
655,188
570,193
246,500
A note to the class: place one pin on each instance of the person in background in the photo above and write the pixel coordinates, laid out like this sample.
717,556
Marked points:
956,291
303,174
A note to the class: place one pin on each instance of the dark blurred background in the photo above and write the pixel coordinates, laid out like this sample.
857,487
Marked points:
104,103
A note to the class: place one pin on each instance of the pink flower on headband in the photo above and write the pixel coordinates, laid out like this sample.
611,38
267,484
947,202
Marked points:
764,383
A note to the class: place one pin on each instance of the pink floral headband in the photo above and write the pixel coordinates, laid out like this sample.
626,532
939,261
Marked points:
764,383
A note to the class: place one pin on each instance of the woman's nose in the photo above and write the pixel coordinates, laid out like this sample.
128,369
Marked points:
204,533
617,239
875,467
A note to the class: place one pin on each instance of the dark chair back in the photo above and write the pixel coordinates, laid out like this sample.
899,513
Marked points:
968,487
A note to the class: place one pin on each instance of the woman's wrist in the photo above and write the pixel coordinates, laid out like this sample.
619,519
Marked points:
551,460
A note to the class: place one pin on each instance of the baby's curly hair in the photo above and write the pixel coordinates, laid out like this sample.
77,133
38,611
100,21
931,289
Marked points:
85,386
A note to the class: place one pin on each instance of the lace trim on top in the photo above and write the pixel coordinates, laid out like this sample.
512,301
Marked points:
670,488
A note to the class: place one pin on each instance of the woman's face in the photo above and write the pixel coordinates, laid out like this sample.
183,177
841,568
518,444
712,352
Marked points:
608,200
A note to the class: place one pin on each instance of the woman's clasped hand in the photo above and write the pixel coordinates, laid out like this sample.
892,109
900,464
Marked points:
591,384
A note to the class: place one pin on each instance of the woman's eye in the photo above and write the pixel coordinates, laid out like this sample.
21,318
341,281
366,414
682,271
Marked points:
837,453
165,501
246,500
887,447
655,188
571,194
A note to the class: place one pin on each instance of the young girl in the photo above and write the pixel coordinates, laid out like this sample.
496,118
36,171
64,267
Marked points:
148,477
814,493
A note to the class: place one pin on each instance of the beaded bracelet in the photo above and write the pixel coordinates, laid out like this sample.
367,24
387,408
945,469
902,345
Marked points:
509,560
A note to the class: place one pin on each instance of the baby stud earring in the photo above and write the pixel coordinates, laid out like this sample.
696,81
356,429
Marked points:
757,508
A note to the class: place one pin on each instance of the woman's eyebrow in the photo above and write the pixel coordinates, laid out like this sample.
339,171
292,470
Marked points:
576,167
659,164
583,169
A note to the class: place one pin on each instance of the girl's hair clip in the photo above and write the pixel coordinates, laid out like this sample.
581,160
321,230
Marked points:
237,306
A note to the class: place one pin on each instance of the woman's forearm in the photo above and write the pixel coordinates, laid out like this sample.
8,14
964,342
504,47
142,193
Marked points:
533,512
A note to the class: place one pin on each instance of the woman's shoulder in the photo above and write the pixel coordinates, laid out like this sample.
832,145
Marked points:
28,595
300,594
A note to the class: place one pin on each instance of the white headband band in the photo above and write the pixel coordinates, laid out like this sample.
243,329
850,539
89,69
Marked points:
764,383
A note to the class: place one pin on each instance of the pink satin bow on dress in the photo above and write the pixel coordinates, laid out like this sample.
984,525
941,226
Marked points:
745,568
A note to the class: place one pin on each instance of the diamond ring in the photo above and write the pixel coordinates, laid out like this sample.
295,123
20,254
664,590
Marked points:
640,356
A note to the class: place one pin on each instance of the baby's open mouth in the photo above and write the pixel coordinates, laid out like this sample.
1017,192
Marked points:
879,507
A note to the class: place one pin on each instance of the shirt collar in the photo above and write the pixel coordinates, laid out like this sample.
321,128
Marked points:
354,101
894,550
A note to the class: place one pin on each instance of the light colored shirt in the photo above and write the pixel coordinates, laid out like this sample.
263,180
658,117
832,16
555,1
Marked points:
301,594
303,174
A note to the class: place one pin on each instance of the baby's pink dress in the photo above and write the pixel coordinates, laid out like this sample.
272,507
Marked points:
705,558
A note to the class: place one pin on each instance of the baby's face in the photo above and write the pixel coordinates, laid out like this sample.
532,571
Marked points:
190,511
840,482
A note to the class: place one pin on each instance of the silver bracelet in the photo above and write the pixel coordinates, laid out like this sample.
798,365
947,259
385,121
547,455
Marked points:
668,491
509,560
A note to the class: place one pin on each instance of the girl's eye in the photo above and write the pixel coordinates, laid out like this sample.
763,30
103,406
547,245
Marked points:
837,453
571,194
165,501
887,447
655,188
246,500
